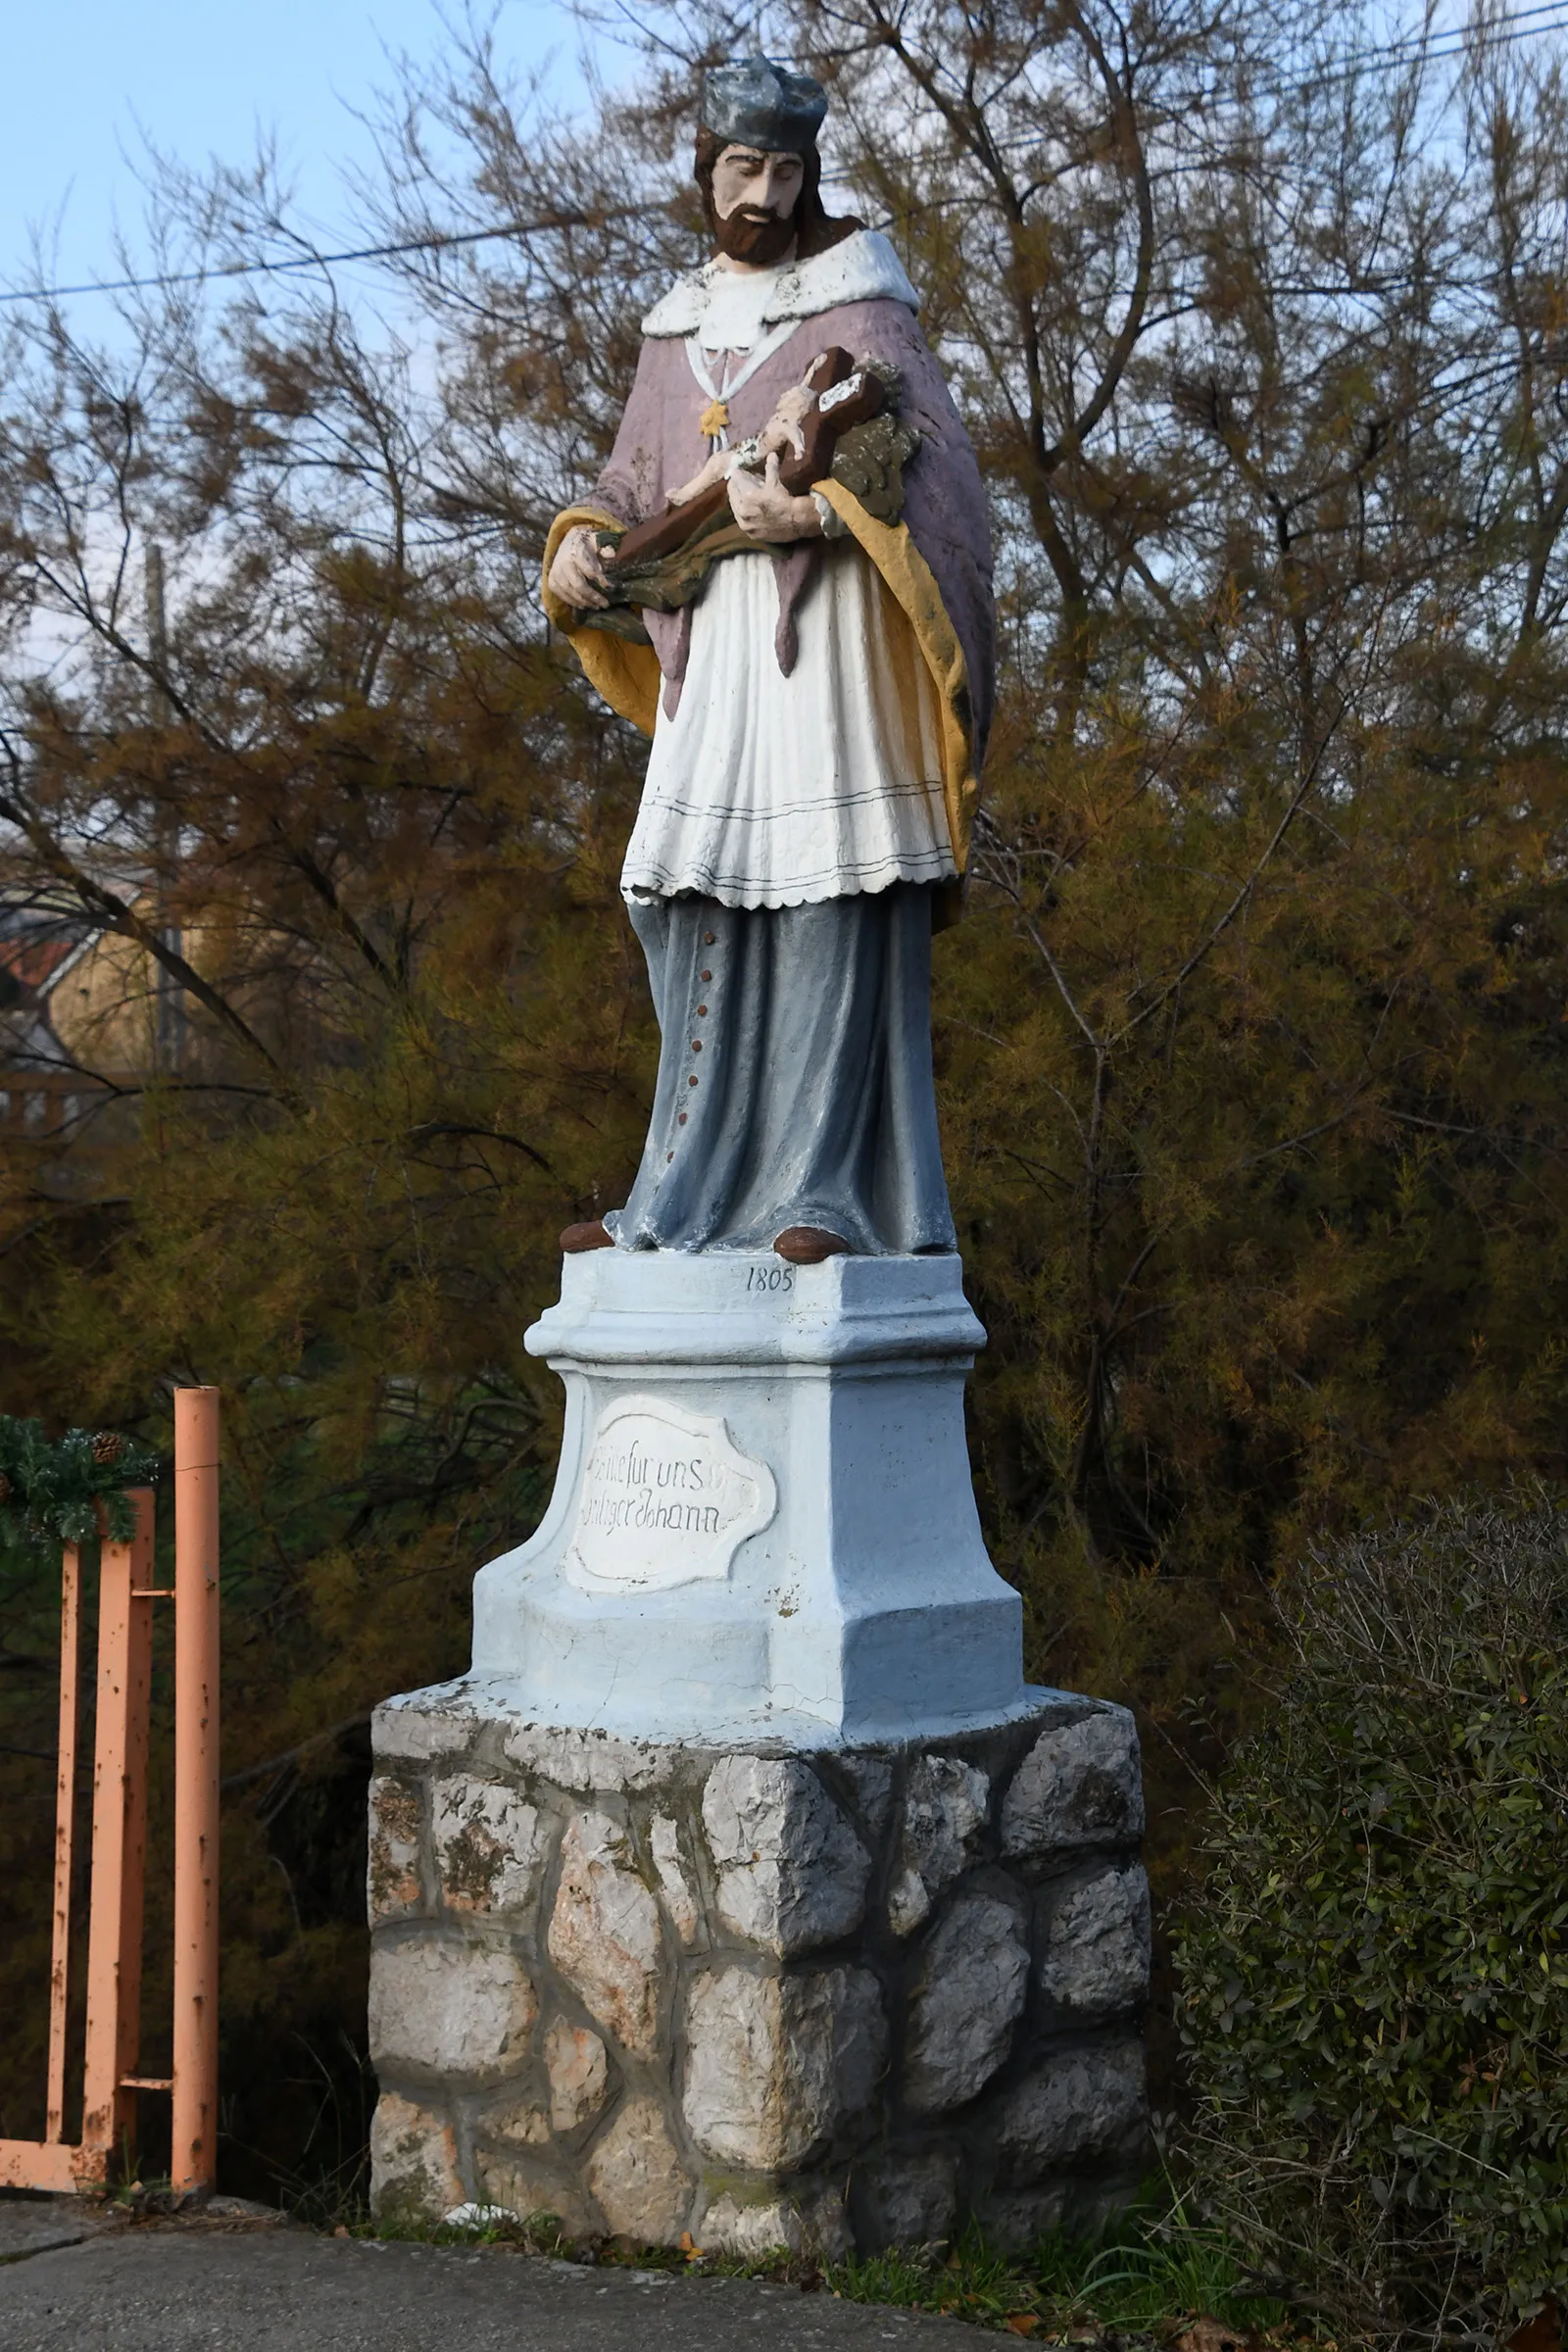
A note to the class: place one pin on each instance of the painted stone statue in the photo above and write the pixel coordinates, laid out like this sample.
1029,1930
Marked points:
814,661
747,1709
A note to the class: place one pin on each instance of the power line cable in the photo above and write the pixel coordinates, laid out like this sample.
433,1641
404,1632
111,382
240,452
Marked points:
1454,43
1449,44
1411,46
1386,58
293,265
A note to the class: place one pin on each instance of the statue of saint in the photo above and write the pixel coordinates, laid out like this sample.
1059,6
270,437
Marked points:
813,662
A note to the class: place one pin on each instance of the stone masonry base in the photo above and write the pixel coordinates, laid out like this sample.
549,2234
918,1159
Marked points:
829,1999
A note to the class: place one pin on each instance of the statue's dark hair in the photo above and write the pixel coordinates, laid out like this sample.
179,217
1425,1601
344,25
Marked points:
814,229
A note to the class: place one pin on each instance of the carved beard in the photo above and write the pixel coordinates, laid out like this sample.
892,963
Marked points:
748,235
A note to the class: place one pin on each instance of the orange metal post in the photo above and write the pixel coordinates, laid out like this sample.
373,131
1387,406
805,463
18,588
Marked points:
119,1839
65,1831
196,1767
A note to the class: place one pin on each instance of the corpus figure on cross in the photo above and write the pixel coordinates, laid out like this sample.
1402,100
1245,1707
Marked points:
814,668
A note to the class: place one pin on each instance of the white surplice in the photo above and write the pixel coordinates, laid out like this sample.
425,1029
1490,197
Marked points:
773,791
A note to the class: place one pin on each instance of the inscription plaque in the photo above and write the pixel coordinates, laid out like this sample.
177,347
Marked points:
667,1497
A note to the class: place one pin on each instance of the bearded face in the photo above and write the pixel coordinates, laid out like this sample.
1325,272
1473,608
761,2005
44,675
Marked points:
754,196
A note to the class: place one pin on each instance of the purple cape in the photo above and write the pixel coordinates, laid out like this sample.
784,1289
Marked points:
659,447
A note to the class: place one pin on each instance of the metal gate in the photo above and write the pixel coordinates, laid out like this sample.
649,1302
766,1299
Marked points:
126,1598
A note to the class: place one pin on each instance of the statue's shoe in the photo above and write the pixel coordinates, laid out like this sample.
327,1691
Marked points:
591,1236
808,1245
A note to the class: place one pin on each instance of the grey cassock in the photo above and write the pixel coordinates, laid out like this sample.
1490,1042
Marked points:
795,1083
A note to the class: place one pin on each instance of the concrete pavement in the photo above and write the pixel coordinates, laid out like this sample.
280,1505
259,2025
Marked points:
245,2286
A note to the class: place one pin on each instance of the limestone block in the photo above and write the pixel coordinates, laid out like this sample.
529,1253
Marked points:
392,1870
1079,1785
422,1725
578,2072
414,2161
907,1901
775,2064
1079,2107
440,2007
871,1778
590,1762
1015,2220
791,1873
604,1931
515,2120
685,1914
528,2184
1096,1944
811,2221
637,2180
973,1982
945,1811
489,1846
906,2201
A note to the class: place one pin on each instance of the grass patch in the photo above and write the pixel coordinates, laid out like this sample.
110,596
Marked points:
1155,2273
1148,2275
536,2234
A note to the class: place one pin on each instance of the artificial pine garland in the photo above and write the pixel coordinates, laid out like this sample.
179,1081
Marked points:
52,1493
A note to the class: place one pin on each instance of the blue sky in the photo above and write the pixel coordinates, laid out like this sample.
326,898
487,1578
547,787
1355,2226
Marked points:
200,74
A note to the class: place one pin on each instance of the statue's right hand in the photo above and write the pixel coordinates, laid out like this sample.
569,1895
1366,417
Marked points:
577,575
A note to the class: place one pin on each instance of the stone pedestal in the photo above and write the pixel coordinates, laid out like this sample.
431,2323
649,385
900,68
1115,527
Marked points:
764,1996
742,1888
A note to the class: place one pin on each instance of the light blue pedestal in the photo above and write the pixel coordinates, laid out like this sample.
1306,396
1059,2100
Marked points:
763,1524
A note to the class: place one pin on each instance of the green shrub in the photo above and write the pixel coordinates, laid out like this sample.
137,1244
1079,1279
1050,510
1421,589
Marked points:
1374,1973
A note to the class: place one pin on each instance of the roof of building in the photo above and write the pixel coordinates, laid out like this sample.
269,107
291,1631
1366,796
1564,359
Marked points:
38,945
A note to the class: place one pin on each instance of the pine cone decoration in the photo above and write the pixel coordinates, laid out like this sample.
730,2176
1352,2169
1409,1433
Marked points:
106,1448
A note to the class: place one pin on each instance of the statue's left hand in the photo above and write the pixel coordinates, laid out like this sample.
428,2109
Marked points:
767,511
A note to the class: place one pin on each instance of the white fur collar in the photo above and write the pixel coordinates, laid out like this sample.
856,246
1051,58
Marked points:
861,267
